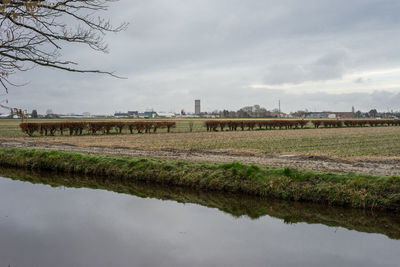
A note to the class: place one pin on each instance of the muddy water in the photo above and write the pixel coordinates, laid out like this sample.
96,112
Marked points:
52,220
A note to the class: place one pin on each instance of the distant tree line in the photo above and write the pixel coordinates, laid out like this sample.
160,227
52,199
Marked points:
248,112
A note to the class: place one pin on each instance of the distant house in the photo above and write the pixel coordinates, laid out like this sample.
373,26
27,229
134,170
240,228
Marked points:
101,116
329,115
211,116
72,116
165,115
344,115
150,114
332,116
317,115
121,115
279,115
147,115
5,116
133,114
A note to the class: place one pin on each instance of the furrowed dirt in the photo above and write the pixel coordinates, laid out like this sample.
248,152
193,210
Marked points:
384,166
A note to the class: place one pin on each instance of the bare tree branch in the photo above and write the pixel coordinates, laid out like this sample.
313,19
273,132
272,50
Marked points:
32,32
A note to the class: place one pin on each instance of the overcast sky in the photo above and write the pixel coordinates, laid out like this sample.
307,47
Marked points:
310,54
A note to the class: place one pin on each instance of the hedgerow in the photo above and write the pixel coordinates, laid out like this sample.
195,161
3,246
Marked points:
108,127
96,127
233,125
214,125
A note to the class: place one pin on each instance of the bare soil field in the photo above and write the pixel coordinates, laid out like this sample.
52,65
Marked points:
372,150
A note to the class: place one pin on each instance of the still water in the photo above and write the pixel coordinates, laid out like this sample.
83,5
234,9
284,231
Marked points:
125,224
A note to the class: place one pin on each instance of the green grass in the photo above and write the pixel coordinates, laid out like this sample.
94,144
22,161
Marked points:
10,128
354,190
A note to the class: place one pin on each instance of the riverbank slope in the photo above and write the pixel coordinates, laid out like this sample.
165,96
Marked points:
340,189
380,166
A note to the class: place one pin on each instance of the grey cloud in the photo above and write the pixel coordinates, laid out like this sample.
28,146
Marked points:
176,51
362,80
359,80
328,67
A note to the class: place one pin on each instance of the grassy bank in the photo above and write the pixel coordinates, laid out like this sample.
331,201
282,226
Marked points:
236,205
354,190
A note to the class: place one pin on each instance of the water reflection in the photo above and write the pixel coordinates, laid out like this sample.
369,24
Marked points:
43,226
236,205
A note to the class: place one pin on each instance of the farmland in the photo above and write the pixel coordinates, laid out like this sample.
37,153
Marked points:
9,128
355,142
372,150
353,150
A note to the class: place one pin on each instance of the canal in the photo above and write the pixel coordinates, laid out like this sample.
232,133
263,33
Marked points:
64,220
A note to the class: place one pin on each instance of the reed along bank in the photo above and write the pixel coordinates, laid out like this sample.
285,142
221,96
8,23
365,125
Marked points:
339,189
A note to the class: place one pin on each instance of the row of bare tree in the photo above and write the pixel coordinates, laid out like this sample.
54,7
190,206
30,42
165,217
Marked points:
354,123
214,125
105,127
